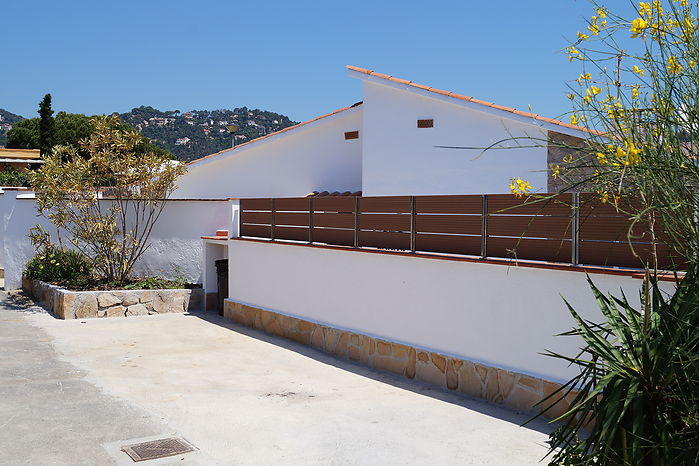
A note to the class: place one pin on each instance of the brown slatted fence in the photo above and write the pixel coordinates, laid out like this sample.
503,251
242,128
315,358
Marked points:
520,229
570,228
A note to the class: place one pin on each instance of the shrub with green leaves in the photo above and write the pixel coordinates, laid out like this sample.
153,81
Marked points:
12,177
638,382
55,265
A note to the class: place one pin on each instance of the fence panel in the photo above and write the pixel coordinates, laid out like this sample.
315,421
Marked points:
513,227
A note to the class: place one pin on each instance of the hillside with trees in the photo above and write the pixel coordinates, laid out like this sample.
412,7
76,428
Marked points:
7,119
187,135
194,134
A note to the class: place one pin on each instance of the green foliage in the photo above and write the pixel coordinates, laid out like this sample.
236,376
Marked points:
56,265
155,283
69,130
24,135
46,125
639,379
12,177
113,230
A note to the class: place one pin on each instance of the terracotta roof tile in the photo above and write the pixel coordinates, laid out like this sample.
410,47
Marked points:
277,132
473,100
460,96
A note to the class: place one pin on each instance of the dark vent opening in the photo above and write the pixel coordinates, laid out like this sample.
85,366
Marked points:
352,135
425,123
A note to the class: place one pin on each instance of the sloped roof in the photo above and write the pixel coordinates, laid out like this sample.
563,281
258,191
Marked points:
466,98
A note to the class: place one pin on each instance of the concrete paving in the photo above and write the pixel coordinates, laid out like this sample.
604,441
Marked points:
72,392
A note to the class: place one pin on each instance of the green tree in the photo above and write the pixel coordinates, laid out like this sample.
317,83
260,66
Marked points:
46,125
24,135
69,130
107,201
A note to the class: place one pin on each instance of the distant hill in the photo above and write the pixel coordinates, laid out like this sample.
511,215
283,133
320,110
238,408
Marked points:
6,121
188,135
194,134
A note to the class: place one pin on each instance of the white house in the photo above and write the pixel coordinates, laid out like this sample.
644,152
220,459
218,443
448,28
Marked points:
399,140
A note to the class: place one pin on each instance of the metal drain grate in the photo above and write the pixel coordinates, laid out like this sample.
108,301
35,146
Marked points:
157,449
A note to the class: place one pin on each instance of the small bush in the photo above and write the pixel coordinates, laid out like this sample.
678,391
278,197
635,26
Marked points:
56,265
12,177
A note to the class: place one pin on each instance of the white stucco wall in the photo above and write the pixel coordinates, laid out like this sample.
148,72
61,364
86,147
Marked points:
176,246
494,314
313,157
401,159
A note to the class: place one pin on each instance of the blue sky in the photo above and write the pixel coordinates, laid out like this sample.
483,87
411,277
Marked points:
283,56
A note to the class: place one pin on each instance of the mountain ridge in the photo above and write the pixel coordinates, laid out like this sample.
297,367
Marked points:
189,135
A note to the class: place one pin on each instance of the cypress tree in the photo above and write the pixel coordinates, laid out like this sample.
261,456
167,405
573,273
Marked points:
46,125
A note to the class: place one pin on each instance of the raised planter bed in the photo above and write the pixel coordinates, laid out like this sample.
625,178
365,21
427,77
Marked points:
67,304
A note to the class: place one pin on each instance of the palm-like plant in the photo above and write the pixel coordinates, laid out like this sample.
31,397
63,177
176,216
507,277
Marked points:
638,386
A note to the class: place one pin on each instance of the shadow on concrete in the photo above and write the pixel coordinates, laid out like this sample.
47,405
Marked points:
18,300
415,386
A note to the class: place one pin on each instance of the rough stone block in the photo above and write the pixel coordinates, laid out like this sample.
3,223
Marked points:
410,366
318,337
384,348
107,300
531,383
522,399
439,361
469,380
136,310
399,351
354,353
129,299
452,374
85,306
116,311
390,364
341,347
428,372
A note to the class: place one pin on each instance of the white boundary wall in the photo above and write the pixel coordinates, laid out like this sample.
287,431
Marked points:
176,245
497,315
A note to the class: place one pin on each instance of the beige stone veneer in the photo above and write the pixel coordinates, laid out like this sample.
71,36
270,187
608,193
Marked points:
67,304
517,391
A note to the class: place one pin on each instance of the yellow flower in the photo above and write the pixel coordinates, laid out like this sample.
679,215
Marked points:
633,154
604,197
556,172
574,119
571,96
644,8
692,63
601,158
519,187
582,36
595,90
585,76
574,53
673,66
639,71
601,12
634,92
638,25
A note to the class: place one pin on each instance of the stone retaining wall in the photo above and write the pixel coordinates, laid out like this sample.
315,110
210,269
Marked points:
67,304
518,391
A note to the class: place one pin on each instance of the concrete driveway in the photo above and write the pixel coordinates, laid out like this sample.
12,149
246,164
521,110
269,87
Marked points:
73,392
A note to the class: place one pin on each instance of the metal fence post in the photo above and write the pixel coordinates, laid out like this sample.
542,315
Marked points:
484,227
413,224
575,220
273,221
310,220
356,221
